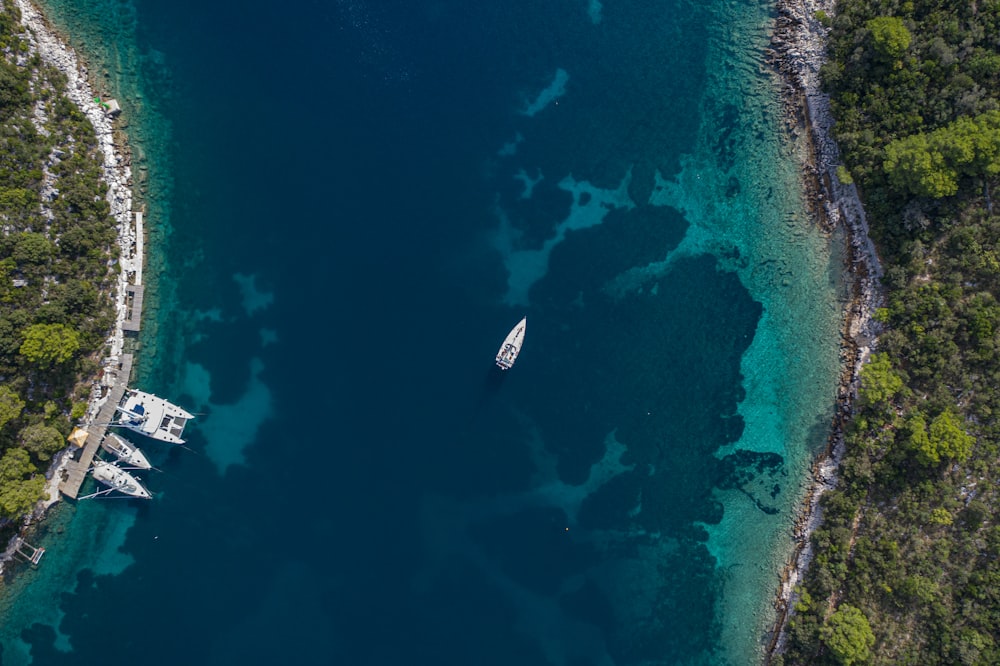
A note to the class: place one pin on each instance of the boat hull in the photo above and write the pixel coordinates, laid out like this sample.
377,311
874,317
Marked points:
511,347
118,479
126,452
152,416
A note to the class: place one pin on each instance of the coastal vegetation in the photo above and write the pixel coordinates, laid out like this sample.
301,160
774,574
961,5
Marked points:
57,247
907,560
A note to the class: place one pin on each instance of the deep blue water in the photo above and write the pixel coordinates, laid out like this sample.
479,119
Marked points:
351,203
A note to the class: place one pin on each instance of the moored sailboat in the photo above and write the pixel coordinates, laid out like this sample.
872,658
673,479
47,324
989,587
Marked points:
115,478
511,346
126,452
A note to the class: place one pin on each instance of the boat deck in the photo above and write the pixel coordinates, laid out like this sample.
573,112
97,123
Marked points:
76,470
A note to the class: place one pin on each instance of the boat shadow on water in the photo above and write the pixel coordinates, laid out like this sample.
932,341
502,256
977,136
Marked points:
505,358
493,381
490,387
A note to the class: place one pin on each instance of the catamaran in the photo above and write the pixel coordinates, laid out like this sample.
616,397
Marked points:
511,346
127,453
115,478
152,416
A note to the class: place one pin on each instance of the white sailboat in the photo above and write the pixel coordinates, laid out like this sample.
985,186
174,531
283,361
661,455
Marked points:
152,416
127,453
511,346
115,478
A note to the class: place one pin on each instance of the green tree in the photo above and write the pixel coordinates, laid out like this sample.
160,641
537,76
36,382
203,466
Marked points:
890,36
844,176
971,645
919,441
17,498
914,165
15,464
971,146
32,248
20,488
42,440
945,441
879,382
848,635
929,165
11,405
948,438
17,198
49,344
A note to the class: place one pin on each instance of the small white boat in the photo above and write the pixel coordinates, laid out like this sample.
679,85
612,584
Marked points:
511,346
128,454
152,416
118,479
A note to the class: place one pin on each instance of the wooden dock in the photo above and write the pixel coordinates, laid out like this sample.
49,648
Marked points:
133,301
139,254
76,470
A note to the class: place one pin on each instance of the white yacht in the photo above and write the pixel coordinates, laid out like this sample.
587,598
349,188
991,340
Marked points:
152,416
127,453
511,346
118,479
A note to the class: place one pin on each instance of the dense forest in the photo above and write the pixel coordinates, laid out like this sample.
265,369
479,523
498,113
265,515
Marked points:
907,561
57,247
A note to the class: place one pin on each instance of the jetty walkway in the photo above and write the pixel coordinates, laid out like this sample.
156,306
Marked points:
76,470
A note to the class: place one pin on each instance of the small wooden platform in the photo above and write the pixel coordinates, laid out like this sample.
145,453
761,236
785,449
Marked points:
133,300
28,552
76,470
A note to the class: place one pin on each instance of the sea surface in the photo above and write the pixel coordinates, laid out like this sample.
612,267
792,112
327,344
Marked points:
351,202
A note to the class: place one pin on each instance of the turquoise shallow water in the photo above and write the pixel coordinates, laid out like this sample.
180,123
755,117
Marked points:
352,203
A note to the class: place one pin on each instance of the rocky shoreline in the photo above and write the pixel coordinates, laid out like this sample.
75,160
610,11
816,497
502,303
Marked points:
798,49
117,173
